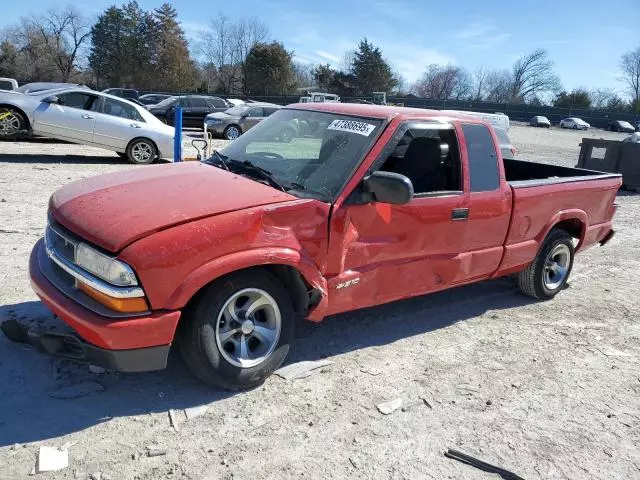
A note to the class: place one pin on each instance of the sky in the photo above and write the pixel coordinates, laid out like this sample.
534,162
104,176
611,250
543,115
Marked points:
584,38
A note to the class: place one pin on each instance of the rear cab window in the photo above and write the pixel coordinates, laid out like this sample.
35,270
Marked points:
483,159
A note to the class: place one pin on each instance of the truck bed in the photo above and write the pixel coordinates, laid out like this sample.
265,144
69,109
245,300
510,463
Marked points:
522,174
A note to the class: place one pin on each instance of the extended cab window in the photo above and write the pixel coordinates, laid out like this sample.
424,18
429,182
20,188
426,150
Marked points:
483,160
428,155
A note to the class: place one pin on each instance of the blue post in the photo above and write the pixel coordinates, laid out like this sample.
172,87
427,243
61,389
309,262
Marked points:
177,139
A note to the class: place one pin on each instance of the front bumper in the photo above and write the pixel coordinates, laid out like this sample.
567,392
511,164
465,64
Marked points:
136,343
215,128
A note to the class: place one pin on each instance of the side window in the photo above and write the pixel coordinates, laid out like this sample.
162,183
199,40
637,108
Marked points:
256,112
269,111
198,102
219,103
183,102
483,160
79,100
121,109
428,156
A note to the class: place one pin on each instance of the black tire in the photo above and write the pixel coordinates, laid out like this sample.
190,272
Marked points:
138,145
15,124
531,280
197,335
228,133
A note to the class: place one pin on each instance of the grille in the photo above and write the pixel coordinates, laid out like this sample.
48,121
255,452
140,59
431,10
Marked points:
60,244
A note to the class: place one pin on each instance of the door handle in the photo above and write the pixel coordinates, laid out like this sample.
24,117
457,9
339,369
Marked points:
135,125
459,214
87,117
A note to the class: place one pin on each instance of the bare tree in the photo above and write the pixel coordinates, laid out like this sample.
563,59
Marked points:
56,38
226,45
498,86
630,66
532,75
346,64
303,75
600,97
480,83
442,82
463,89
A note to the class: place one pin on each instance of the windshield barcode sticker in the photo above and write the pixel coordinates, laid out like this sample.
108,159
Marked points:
361,128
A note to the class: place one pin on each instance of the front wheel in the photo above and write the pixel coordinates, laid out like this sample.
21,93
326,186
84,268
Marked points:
141,151
239,330
232,132
549,271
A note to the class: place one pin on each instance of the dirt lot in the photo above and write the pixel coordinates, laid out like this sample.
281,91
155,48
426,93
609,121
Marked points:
547,390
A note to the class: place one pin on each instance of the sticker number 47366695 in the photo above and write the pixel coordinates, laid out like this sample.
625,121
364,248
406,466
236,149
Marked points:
352,126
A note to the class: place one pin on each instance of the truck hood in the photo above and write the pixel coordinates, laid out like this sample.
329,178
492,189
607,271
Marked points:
119,208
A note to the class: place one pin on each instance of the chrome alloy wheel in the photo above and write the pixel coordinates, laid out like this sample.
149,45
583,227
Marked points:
248,327
556,266
9,124
142,152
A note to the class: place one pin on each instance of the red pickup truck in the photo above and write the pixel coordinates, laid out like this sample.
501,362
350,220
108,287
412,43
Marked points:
320,209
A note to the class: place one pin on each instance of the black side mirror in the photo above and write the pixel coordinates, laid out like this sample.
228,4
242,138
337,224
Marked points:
51,99
389,187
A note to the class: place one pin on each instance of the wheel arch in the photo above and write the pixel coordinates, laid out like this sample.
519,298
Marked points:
20,111
574,222
301,278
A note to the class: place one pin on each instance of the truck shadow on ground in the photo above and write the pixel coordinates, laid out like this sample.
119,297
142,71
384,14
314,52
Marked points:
28,413
48,158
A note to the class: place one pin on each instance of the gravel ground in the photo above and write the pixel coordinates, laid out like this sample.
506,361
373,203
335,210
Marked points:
547,390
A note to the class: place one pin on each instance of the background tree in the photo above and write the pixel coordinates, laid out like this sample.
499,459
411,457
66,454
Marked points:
226,45
532,75
303,75
498,86
578,98
324,76
441,82
371,72
630,66
479,83
107,56
177,71
268,69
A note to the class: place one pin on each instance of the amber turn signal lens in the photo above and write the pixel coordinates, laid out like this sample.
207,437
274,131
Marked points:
124,305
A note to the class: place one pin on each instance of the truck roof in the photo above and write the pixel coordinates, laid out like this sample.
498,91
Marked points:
380,111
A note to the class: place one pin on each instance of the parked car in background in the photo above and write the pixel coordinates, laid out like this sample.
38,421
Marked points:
8,84
80,115
620,126
42,86
575,123
153,98
235,101
540,121
234,121
194,109
506,147
128,93
497,119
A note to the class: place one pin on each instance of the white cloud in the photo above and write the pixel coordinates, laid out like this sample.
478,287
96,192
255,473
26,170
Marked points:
474,30
489,41
327,56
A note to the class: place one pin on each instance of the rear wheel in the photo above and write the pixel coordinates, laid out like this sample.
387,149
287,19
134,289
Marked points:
549,271
239,331
11,123
141,151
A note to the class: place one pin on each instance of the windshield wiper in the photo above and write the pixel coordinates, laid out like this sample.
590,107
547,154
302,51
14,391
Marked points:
262,173
222,160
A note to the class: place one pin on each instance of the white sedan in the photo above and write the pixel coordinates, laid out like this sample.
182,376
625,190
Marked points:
80,115
575,123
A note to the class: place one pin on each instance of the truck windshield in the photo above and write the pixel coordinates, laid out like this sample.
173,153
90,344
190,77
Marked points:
310,154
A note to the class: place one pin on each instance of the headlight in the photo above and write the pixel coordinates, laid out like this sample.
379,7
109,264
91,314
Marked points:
213,121
109,269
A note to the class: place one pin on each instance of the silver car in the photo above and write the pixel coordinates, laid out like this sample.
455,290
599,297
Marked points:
80,115
233,122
